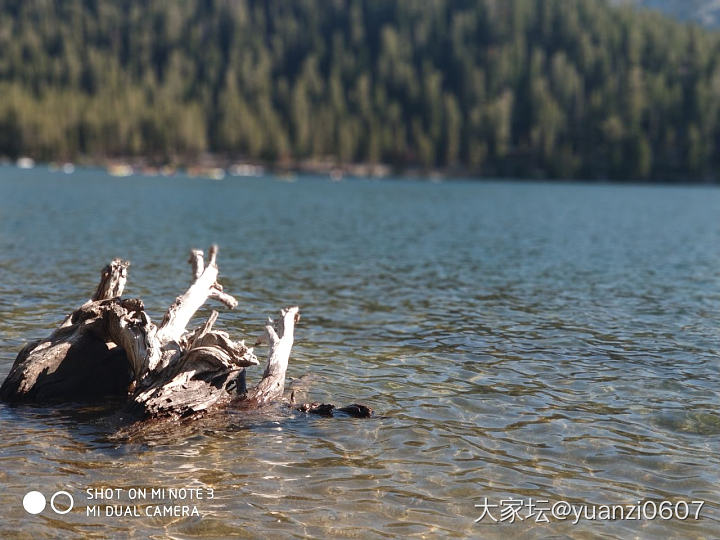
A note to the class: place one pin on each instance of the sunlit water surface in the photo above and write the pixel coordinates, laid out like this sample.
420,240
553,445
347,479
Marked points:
518,341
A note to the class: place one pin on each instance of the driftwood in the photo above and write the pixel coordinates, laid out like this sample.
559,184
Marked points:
110,347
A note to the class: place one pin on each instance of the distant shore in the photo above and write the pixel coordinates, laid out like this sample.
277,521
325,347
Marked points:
217,167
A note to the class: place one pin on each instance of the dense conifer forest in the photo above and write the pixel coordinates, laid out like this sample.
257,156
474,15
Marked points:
527,88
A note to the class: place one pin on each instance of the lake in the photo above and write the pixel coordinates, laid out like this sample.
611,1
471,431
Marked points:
519,341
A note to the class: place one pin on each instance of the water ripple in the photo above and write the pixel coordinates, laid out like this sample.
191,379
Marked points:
549,341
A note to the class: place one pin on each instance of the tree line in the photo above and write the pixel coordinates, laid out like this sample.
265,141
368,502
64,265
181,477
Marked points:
530,88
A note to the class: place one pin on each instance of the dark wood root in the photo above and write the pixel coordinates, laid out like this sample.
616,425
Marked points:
355,410
322,409
110,347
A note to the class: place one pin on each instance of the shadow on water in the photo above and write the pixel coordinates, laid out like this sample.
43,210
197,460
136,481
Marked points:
108,427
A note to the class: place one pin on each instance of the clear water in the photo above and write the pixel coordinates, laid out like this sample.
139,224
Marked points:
518,340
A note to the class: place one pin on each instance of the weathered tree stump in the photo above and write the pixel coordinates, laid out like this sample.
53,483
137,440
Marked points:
75,362
110,347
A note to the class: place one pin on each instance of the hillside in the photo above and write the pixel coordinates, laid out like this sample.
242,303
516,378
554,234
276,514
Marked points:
487,87
705,12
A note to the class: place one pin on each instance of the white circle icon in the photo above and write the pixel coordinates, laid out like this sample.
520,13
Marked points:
52,502
34,502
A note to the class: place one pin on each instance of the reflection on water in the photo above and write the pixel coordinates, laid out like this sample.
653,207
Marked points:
553,342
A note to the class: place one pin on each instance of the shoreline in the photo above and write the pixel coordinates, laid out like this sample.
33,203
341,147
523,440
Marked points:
216,167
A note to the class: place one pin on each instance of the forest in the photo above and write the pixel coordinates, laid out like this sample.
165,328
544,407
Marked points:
503,88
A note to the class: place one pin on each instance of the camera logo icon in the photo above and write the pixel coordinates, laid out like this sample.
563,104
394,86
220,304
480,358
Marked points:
34,502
